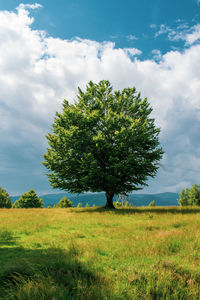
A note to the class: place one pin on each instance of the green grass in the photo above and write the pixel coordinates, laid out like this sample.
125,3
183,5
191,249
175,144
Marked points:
91,253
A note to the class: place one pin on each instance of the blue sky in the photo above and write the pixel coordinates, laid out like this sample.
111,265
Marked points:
49,48
128,23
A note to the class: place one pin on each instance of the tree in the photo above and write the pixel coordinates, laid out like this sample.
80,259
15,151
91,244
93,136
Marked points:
194,195
190,196
184,197
5,200
152,203
63,203
105,141
29,200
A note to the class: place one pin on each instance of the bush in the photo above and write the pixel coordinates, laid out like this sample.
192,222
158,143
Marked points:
63,203
79,205
117,204
120,204
87,205
190,196
152,203
5,200
29,200
126,204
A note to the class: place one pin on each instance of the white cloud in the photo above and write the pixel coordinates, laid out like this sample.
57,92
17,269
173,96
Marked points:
132,51
191,38
37,72
28,6
131,37
182,32
157,55
162,30
153,26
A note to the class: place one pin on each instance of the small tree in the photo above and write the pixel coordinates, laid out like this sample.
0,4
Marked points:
106,141
152,203
63,203
184,197
5,199
29,200
79,205
194,195
190,196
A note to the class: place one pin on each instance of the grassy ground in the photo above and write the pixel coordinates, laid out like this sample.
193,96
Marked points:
144,253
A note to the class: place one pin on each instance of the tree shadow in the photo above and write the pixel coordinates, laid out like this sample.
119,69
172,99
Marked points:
7,238
138,210
51,273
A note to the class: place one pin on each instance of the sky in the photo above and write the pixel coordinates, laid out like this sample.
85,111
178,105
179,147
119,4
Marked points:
49,48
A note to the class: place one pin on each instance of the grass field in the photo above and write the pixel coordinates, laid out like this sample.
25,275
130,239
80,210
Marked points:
136,253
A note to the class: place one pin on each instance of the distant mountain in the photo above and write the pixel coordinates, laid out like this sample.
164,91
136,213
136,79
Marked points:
161,199
99,199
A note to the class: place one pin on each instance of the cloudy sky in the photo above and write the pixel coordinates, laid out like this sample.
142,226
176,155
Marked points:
49,48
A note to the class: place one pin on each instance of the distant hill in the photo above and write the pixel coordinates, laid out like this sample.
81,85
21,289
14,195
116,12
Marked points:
99,199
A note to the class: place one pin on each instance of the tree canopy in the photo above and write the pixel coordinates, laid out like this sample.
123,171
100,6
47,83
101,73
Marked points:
190,196
5,199
29,200
105,141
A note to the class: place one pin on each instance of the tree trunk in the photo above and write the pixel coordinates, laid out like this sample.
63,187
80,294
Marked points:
109,201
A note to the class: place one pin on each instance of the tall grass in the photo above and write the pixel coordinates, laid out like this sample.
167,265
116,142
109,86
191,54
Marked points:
91,253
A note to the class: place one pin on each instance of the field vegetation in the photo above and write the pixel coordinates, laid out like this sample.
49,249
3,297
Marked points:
91,253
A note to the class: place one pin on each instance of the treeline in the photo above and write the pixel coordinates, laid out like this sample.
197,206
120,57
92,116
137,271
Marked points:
187,197
31,200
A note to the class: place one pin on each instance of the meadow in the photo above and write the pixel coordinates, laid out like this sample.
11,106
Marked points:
91,253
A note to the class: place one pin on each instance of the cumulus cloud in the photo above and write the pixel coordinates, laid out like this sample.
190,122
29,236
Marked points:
37,72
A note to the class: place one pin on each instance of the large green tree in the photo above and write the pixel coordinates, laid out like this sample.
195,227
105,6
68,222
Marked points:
5,199
105,141
29,200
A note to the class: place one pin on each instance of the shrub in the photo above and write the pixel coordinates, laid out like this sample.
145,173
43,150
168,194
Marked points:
79,205
87,205
152,203
126,204
29,200
117,204
5,200
63,203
